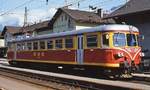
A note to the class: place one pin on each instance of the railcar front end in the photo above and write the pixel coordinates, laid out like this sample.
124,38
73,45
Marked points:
126,51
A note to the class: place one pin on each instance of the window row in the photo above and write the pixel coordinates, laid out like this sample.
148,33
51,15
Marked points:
92,40
47,44
68,43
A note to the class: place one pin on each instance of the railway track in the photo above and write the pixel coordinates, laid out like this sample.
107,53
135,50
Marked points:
68,82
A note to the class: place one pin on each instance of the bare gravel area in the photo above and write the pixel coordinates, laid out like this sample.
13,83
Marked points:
7,83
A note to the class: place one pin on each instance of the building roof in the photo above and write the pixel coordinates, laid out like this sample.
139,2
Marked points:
131,7
10,29
79,16
37,26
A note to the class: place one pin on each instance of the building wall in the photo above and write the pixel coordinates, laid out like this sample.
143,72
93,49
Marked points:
7,37
84,25
63,23
2,43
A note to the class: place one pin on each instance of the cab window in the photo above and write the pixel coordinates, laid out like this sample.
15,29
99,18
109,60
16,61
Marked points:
119,39
131,40
105,40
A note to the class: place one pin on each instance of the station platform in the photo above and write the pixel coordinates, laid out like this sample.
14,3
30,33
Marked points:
142,76
147,72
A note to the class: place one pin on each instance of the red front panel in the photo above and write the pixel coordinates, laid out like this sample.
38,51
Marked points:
129,53
109,55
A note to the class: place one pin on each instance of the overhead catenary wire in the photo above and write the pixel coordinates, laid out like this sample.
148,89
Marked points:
73,3
97,3
100,4
21,5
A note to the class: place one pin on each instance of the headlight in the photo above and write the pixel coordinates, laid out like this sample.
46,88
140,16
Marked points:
142,54
120,55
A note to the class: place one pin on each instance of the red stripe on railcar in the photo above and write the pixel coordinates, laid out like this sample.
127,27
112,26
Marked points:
98,56
50,55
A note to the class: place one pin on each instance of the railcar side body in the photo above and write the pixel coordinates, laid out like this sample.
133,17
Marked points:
111,47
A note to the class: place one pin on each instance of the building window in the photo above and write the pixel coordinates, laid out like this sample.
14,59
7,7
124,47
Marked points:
49,44
92,41
58,43
29,46
66,17
35,45
62,18
42,44
69,42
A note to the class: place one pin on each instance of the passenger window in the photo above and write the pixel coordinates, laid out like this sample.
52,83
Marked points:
58,43
105,40
49,44
29,46
19,47
92,40
35,45
23,46
42,44
69,42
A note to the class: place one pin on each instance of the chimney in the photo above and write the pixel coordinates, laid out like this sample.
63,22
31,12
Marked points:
100,12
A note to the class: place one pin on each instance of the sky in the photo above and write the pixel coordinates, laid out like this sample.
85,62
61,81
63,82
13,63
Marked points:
12,11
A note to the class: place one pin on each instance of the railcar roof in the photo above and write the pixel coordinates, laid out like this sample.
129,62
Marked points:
101,28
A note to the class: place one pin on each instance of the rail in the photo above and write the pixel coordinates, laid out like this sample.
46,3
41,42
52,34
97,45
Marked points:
67,82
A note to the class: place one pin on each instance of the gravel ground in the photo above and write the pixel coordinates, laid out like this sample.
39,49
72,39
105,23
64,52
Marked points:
7,83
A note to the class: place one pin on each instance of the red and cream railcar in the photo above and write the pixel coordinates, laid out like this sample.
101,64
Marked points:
107,47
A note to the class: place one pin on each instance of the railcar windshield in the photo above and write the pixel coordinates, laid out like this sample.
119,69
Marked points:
131,40
119,39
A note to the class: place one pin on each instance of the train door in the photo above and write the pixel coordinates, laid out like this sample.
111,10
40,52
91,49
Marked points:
15,51
80,50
